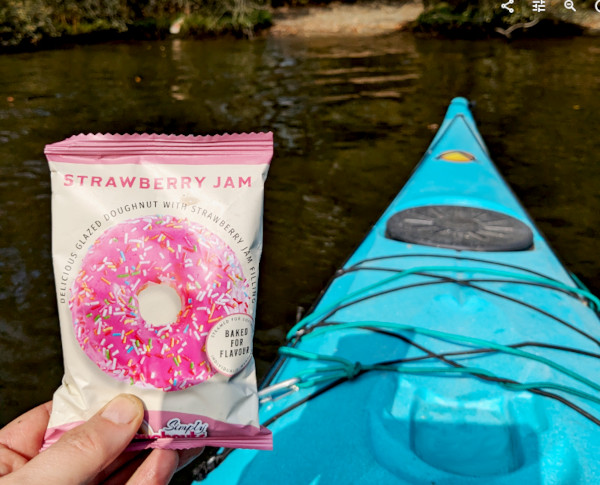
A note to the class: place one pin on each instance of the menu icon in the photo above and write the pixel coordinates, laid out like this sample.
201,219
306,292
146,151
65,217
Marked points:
539,5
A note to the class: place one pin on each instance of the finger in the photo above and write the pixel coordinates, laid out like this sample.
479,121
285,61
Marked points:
124,473
10,461
25,434
81,453
187,456
158,469
123,466
127,470
21,439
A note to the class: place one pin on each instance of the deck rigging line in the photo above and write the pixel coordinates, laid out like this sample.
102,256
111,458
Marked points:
345,370
309,325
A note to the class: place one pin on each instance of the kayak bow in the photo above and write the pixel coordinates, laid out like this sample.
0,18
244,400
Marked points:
452,347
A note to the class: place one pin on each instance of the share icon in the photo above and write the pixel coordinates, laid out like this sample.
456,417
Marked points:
505,6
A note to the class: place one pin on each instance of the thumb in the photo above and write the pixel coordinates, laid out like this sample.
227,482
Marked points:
81,453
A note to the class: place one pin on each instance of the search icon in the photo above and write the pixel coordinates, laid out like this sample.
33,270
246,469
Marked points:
569,5
597,6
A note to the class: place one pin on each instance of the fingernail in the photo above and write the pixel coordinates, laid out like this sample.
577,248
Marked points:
122,410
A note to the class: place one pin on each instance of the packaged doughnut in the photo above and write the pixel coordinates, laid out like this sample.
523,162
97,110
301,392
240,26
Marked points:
156,246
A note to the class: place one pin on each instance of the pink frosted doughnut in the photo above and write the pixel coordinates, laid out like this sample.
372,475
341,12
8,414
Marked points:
162,250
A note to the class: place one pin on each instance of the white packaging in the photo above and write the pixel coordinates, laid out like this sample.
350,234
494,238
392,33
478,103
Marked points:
156,247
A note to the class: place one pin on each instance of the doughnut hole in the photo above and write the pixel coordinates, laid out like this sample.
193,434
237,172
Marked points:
159,304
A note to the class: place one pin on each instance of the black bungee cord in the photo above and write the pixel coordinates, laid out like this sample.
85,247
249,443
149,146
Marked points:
443,357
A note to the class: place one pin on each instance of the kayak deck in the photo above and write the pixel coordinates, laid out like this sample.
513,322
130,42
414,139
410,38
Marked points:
425,362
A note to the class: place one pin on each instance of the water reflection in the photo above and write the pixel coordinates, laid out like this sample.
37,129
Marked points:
351,118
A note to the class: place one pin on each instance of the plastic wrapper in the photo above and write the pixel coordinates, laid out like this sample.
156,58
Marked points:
156,245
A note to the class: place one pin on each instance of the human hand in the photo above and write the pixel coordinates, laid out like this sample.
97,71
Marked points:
91,453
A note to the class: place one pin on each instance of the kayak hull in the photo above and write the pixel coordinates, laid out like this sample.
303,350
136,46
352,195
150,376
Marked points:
457,365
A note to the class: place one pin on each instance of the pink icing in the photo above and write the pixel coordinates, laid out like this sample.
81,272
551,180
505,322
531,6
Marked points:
161,250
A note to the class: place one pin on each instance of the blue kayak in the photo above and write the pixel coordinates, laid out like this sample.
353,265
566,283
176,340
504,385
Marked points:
452,347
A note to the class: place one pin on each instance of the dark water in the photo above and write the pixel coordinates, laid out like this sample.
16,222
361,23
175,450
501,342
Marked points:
351,118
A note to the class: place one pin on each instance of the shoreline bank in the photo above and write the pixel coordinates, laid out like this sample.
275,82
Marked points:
363,18
380,18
